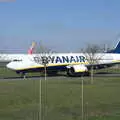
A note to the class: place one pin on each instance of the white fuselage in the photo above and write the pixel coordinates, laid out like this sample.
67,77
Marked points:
26,61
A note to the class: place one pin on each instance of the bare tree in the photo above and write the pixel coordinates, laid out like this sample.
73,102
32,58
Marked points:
93,57
41,48
43,57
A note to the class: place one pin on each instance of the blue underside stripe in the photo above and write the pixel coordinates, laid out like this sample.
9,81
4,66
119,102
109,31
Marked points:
42,68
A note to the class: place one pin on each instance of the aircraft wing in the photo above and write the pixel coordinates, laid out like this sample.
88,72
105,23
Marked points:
101,65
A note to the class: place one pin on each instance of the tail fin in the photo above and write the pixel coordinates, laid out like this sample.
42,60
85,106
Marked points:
30,51
116,50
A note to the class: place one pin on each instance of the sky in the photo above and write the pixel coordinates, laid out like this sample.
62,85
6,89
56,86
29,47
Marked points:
62,25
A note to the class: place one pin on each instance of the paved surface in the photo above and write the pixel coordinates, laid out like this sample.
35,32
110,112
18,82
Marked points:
108,75
33,78
57,77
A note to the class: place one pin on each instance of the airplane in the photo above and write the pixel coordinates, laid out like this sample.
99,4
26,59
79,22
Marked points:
7,58
73,63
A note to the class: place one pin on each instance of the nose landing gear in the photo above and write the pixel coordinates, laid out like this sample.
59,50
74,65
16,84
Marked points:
22,74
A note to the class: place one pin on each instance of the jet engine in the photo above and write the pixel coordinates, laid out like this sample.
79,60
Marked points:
77,70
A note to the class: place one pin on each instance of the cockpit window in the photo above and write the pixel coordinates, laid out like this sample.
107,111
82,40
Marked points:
17,60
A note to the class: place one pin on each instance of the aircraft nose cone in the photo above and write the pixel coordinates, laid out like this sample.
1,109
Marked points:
10,66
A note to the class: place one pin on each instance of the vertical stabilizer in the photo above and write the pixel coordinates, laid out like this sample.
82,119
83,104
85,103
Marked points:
116,50
31,49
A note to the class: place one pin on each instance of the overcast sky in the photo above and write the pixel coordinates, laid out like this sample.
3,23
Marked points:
63,25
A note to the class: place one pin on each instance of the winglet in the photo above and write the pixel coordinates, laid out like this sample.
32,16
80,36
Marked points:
30,51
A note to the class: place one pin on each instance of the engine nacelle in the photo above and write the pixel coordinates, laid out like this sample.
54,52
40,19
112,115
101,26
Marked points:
73,70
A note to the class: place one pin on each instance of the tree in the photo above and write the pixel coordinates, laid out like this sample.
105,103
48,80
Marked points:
41,48
42,56
93,57
43,59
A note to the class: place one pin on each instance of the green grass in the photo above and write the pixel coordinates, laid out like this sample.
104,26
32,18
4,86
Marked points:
101,100
19,100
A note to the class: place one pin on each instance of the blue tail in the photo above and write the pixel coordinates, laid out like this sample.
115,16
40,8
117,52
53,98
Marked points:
116,50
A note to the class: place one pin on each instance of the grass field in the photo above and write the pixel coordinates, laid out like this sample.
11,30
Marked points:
20,99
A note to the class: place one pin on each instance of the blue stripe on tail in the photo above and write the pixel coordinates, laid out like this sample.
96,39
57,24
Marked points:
116,50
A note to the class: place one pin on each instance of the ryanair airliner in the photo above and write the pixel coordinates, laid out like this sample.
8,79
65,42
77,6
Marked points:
73,63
